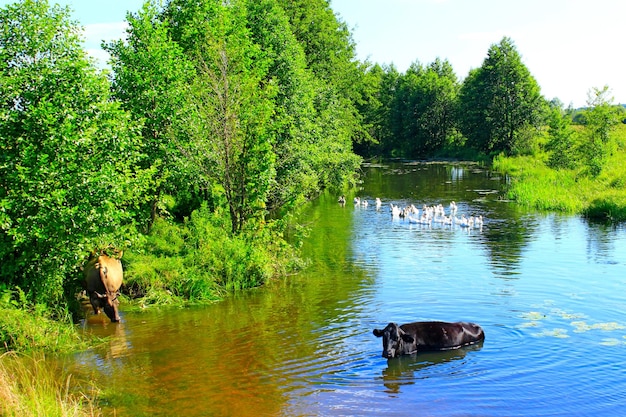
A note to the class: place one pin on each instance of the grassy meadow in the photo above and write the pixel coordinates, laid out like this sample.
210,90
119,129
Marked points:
603,197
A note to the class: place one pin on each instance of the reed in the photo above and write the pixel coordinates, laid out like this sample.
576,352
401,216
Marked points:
31,386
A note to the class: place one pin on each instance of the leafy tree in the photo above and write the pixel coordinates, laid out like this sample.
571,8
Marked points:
151,75
427,100
561,140
305,152
326,40
330,55
499,101
601,119
440,87
68,183
229,113
372,109
390,140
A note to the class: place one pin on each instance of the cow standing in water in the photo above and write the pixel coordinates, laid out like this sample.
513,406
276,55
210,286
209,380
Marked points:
103,279
427,336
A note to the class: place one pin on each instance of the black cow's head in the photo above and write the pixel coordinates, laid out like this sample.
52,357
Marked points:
394,339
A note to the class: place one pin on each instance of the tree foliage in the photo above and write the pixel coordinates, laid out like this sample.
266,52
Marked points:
228,122
69,179
150,79
561,140
600,119
312,138
308,137
410,114
217,102
499,101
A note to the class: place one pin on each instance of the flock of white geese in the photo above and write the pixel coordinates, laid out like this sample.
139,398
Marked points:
427,215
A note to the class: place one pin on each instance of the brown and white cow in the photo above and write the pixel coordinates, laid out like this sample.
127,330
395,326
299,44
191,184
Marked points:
103,279
427,336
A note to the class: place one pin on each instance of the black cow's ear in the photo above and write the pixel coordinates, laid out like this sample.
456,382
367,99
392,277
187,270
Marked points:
378,333
408,338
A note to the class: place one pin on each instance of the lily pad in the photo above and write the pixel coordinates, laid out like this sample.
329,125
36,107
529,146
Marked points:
608,326
558,333
611,342
581,326
533,315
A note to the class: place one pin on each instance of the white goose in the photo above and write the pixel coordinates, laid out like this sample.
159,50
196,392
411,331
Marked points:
395,210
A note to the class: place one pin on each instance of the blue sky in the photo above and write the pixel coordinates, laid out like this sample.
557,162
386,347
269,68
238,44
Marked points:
569,46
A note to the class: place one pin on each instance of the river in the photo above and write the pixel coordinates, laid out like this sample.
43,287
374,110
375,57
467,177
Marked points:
548,290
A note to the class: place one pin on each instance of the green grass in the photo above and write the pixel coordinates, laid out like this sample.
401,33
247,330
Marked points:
535,185
32,386
27,328
201,261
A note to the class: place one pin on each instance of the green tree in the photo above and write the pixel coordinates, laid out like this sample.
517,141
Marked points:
305,152
151,75
326,40
390,139
437,122
500,102
372,109
600,120
229,113
330,55
561,139
427,100
68,183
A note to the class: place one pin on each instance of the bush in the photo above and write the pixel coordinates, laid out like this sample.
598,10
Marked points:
24,327
200,259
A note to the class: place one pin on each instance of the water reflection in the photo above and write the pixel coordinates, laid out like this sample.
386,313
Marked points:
406,369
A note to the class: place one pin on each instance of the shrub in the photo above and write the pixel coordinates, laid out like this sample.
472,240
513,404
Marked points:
201,260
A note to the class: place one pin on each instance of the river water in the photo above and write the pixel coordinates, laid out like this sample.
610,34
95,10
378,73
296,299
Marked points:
548,290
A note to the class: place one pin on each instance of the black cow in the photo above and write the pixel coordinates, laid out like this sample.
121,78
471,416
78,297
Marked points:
427,336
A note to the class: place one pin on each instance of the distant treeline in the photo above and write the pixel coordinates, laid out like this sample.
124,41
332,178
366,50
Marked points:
427,111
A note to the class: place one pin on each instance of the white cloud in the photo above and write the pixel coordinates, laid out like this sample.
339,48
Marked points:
97,32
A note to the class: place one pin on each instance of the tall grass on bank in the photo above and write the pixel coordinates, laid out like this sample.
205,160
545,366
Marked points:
537,186
534,185
201,260
27,328
31,386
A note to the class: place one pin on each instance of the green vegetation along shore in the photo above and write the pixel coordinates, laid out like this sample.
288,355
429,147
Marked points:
537,183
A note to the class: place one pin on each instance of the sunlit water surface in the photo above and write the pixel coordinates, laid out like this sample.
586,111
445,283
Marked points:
547,289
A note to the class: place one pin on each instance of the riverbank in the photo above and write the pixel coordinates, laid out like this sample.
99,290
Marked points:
177,264
535,185
30,385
